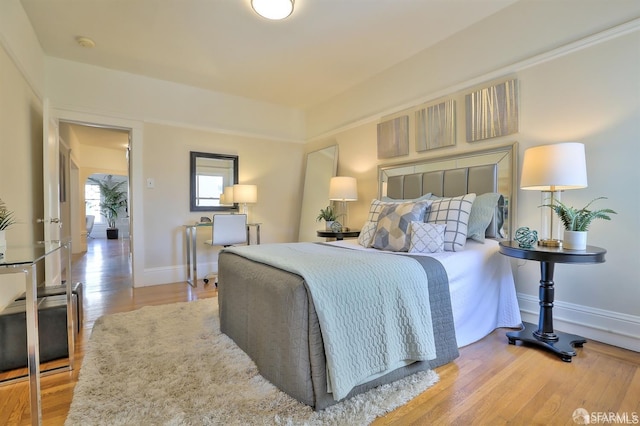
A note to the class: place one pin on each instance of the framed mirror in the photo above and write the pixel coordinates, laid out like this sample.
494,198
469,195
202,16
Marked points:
210,174
321,166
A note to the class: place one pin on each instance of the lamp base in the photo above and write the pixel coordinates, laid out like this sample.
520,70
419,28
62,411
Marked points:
550,243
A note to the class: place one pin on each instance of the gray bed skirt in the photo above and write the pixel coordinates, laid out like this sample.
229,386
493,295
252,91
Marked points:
269,314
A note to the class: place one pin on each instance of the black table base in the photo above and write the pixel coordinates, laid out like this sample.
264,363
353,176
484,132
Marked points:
560,343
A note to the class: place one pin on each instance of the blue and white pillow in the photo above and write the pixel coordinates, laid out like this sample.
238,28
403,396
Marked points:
393,232
427,237
454,212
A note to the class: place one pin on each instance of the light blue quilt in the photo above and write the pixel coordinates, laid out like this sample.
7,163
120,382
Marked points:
373,308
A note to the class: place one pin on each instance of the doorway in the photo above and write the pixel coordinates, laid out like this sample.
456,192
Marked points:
100,152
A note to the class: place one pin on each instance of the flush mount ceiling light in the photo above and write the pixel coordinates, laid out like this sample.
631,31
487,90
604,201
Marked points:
85,42
273,9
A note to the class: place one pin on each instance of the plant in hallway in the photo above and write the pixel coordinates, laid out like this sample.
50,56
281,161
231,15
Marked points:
113,201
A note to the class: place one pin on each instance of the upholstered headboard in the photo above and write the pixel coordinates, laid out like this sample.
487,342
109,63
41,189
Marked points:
451,183
491,170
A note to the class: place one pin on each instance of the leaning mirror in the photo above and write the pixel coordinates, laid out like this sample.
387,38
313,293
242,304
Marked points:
321,167
210,174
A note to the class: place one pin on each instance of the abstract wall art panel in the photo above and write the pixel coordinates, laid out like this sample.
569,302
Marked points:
435,126
492,111
393,137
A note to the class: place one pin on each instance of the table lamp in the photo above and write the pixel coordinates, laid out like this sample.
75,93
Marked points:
343,189
245,194
553,169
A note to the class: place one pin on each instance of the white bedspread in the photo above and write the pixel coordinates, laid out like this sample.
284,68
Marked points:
374,309
483,294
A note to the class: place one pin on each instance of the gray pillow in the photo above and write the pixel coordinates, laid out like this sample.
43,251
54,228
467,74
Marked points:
393,232
483,211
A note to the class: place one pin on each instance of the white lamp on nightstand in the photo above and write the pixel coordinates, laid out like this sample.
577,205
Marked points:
343,189
552,169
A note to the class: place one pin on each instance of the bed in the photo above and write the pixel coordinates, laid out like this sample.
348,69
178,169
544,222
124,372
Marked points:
269,309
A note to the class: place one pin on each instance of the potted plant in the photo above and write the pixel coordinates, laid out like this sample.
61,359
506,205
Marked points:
6,220
577,221
113,199
329,215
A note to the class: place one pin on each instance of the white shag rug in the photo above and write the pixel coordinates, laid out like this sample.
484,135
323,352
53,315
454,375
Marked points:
170,365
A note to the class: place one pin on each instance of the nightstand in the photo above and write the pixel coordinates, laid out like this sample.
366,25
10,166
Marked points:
339,235
543,334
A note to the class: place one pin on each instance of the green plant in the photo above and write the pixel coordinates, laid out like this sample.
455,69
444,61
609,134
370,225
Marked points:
327,214
6,217
113,199
579,219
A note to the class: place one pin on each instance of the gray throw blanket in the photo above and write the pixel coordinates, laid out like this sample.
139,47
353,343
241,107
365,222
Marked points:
373,308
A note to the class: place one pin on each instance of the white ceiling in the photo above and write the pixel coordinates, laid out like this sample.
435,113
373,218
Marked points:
324,48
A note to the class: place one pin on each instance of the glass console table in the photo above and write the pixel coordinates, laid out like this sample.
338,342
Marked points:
23,260
190,238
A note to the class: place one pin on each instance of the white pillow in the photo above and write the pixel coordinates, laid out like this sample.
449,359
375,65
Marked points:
454,212
427,237
367,233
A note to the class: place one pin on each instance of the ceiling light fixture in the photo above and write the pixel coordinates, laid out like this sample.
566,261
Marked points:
86,42
273,9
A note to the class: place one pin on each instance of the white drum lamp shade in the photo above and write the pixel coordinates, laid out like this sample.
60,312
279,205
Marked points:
245,194
554,167
343,188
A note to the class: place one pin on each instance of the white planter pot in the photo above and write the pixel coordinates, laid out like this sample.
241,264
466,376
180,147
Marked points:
575,240
3,242
328,225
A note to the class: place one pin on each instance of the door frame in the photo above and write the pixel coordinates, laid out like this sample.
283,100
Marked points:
136,180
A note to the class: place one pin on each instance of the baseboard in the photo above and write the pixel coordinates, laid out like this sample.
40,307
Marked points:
609,327
173,274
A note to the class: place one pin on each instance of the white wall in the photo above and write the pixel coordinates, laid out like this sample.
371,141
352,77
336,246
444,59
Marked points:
275,167
20,151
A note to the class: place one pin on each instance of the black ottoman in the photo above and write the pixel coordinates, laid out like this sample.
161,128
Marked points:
56,290
52,328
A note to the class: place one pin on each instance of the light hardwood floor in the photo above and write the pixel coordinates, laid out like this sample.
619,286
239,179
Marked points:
491,383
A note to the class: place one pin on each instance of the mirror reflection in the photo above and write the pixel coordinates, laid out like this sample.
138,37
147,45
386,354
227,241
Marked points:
210,174
321,167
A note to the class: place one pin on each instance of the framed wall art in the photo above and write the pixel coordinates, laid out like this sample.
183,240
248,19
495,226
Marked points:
393,137
435,126
492,111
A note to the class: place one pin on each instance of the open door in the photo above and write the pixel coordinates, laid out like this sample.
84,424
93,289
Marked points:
51,177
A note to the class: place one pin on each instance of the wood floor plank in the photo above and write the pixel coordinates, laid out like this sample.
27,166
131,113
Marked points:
491,383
